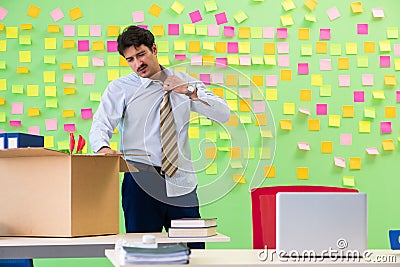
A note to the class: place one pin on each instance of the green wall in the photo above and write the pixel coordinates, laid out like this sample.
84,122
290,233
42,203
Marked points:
220,195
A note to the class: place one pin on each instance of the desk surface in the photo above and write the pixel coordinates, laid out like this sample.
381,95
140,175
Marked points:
80,247
250,258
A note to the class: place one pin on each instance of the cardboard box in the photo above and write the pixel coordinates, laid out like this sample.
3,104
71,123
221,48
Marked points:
49,193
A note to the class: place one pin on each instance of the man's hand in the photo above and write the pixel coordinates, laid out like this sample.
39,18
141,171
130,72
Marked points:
107,150
176,84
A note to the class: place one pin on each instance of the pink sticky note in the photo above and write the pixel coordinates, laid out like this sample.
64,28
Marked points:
69,127
325,64
245,60
83,45
217,78
259,106
146,27
303,146
205,78
283,48
220,18
386,127
2,131
378,13
302,68
346,139
372,151
213,30
195,16
271,80
344,80
362,28
88,78
229,31
282,33
51,125
98,61
397,96
196,60
367,79
340,162
86,113
358,96
69,78
384,61
15,123
137,16
283,61
180,56
3,13
17,108
397,49
69,30
321,109
244,92
325,34
268,33
221,62
233,47
112,46
333,13
95,30
304,111
35,130
173,29
56,14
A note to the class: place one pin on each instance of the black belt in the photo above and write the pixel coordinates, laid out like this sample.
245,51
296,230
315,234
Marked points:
147,168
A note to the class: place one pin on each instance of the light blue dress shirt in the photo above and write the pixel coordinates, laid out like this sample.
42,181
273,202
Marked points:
133,103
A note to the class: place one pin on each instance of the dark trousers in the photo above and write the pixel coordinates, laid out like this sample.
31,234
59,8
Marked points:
147,207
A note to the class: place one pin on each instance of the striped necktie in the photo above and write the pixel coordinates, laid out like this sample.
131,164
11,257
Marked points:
169,145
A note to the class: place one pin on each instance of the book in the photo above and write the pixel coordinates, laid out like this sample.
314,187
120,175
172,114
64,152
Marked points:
162,254
194,222
192,232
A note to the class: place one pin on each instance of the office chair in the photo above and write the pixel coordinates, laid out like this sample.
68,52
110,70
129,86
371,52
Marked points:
16,263
263,201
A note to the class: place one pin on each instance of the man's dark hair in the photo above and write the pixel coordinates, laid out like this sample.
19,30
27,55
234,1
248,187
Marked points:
134,36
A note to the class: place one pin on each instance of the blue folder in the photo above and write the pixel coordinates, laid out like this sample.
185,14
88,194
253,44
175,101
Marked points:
16,140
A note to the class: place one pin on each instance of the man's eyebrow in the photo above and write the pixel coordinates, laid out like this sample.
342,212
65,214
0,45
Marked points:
130,57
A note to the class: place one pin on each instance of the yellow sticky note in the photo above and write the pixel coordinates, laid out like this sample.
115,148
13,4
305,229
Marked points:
304,34
23,70
244,47
49,141
49,76
95,96
212,169
209,46
261,119
114,74
68,113
311,4
236,165
385,46
33,112
302,173
256,32
112,30
25,40
69,91
326,147
387,144
63,145
2,101
244,105
390,80
97,45
177,7
369,112
321,47
33,11
25,56
257,60
397,64
269,171
266,133
68,43
155,10
286,124
288,5
287,20
245,119
164,60
11,32
348,111
210,5
244,32
233,60
390,112
51,103
348,181
194,46
224,136
316,80
325,90
205,121
305,94
75,13
233,121
288,108
356,7
265,153
194,132
50,90
351,48
355,163
50,43
334,121
269,48
17,89
313,125
369,47
364,127
310,17
49,59
220,47
53,28
158,30
189,29
3,117
378,94
240,16
211,153
82,61
239,178
180,45
270,60
32,90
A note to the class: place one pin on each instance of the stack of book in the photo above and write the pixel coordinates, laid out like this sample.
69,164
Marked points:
193,227
162,254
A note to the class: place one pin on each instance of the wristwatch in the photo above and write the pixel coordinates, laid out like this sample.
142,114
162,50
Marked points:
191,89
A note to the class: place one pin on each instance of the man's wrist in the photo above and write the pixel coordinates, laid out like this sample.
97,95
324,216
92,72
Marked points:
191,89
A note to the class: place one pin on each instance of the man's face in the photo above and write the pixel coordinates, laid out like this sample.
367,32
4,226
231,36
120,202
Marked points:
142,60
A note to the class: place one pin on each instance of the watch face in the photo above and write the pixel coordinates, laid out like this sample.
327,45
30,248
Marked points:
190,89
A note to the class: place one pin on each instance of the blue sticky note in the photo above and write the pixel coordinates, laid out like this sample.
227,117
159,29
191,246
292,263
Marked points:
394,236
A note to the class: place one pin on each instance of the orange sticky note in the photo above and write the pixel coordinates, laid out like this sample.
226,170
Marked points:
218,92
66,66
33,11
2,101
208,60
26,26
75,13
194,46
22,70
390,112
343,63
244,32
231,80
235,152
369,47
244,106
303,34
220,47
387,144
326,147
69,91
33,112
123,62
390,80
321,47
98,46
112,30
211,153
233,120
261,120
269,48
68,43
313,125
348,111
155,10
286,124
239,178
258,80
286,75
355,163
269,171
305,94
68,113
158,30
53,28
311,4
302,173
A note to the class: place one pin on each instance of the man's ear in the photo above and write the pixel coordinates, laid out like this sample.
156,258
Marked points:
154,48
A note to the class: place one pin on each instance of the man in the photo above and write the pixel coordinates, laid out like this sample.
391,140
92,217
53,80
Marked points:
165,186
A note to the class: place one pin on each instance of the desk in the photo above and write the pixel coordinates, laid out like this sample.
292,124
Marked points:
249,258
80,247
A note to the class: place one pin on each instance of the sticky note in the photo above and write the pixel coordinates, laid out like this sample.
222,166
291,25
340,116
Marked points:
326,147
288,5
210,5
137,16
51,124
303,146
302,68
266,133
3,117
286,75
356,7
369,47
340,162
236,165
378,13
269,171
285,124
195,16
53,28
211,137
384,61
311,4
325,34
369,112
316,80
69,127
358,96
333,13
310,17
15,123
325,64
268,33
346,139
240,16
362,28
229,31
35,130
50,90
213,30
385,46
372,151
343,63
177,7
287,20
32,90
3,13
348,181
56,14
362,61
155,10
288,108
390,112
75,13
386,127
313,124
305,94
334,121
364,126
336,49
378,94
321,47
50,43
355,164
306,50
271,94
283,47
302,173
388,145
33,11
221,18
239,178
351,48
282,33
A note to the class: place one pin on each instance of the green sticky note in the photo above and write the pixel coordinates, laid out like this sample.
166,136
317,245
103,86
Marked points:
240,16
25,40
257,94
229,94
49,59
310,17
245,119
306,50
325,90
205,121
211,137
362,61
224,136
369,112
392,33
248,152
163,46
202,30
3,117
113,60
265,153
17,89
244,79
378,94
3,65
270,60
83,30
63,145
336,49
348,181
224,148
236,165
212,168
210,5
95,96
257,60
51,103
256,32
